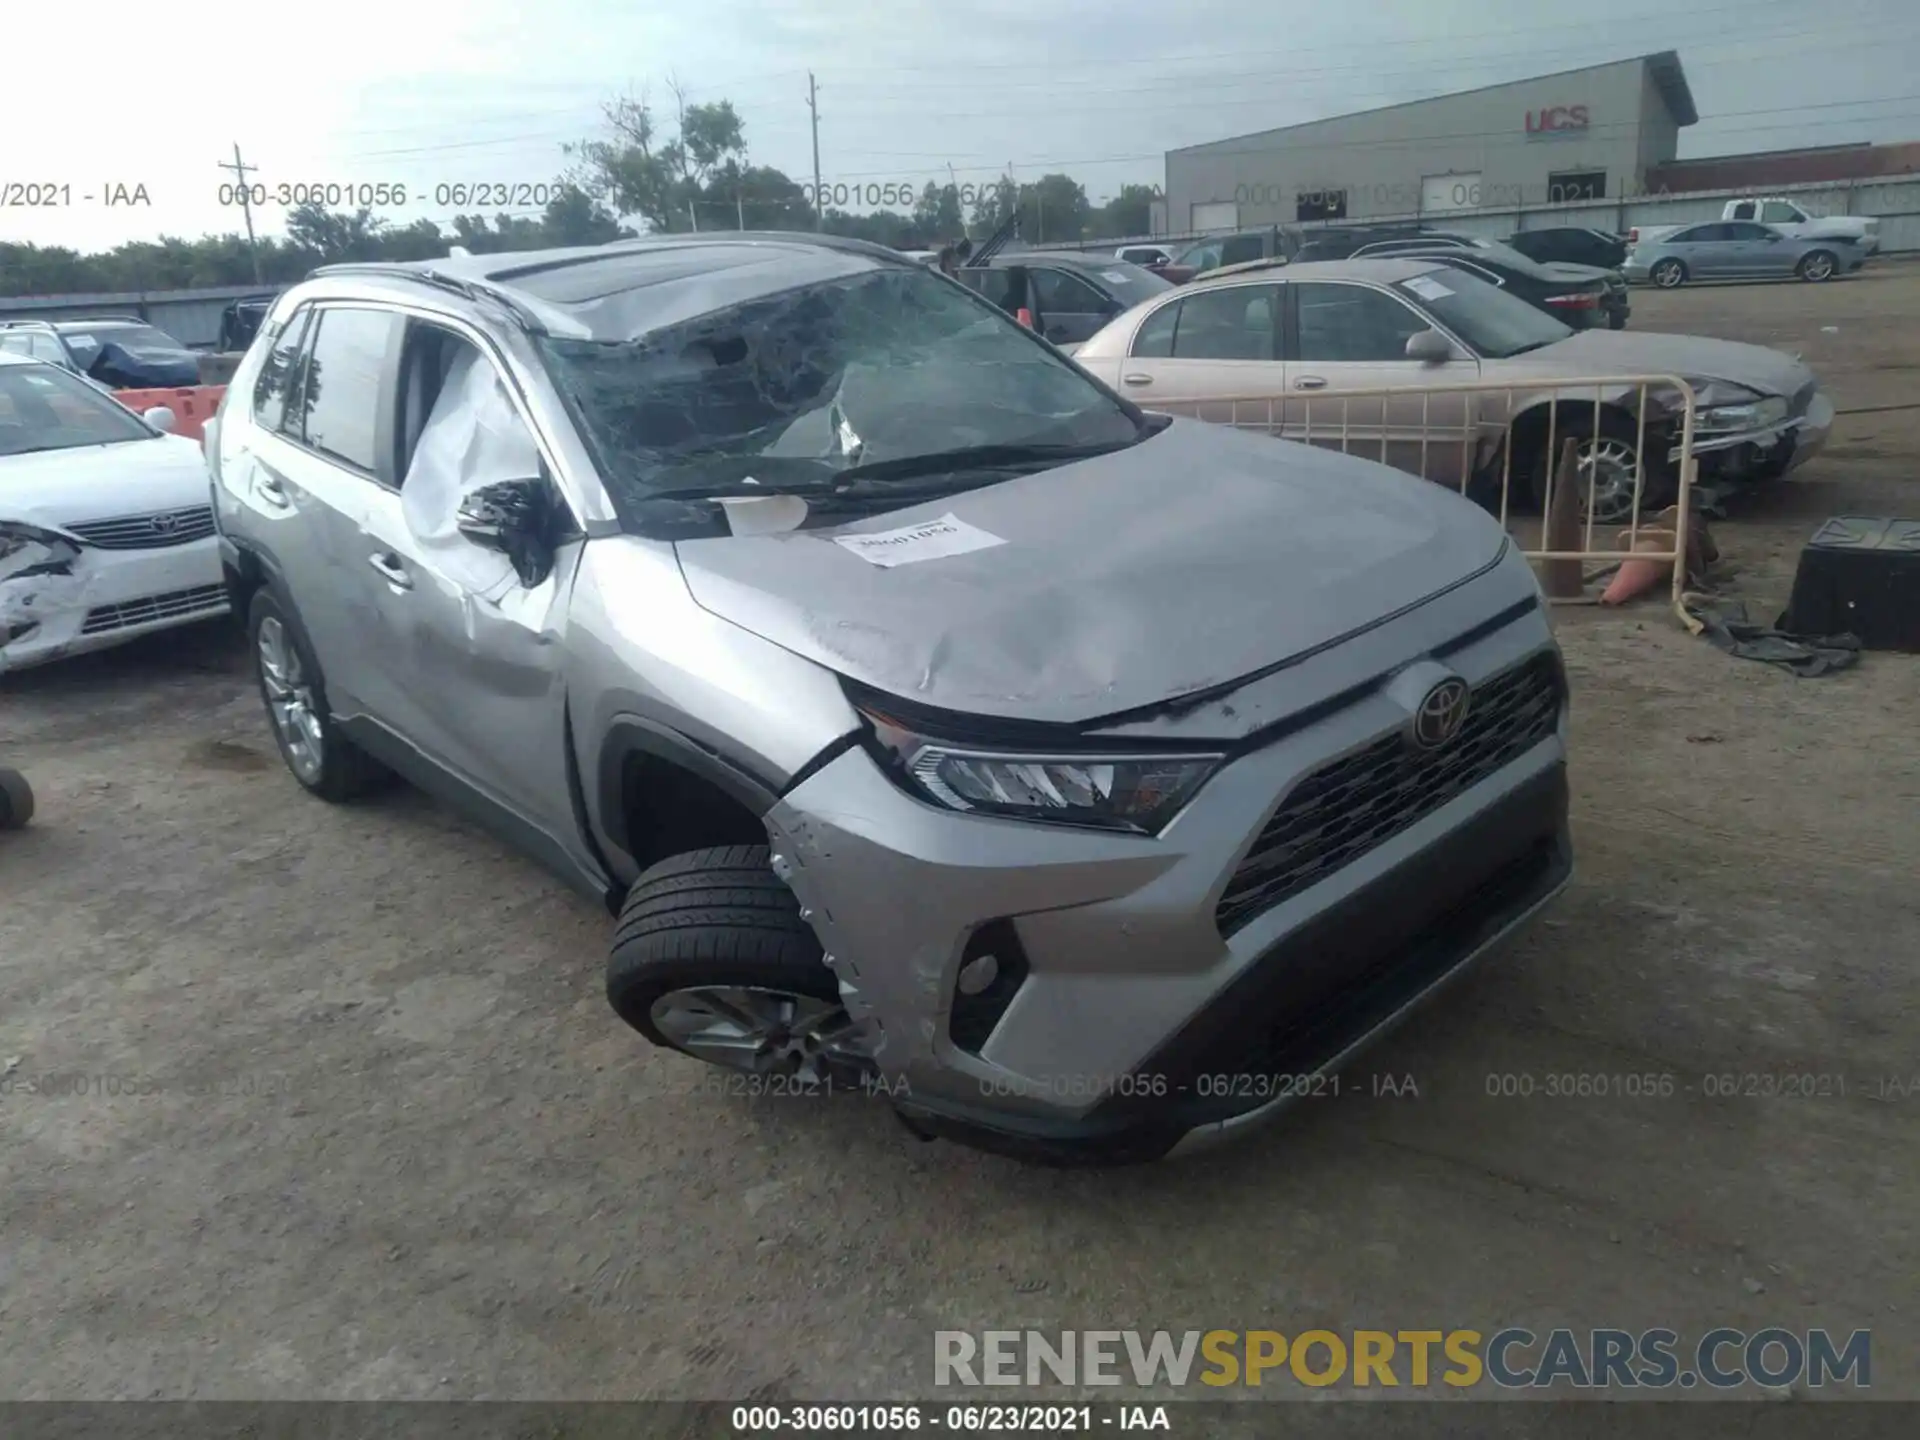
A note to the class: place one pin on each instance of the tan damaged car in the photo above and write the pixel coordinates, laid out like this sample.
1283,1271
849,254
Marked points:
1293,337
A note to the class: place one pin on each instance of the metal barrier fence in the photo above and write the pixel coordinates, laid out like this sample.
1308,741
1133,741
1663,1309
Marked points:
1467,435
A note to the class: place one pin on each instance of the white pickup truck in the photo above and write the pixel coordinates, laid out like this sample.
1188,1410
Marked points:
1786,216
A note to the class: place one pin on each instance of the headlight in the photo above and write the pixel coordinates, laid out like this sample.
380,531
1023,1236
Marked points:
15,537
1134,792
1755,415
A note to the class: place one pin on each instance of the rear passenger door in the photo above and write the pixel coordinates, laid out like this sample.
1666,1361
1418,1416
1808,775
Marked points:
1706,250
308,471
1219,343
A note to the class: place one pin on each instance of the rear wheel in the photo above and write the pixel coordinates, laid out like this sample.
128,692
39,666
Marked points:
712,959
1668,274
1818,265
324,761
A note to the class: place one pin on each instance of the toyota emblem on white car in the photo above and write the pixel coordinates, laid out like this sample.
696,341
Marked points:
1441,714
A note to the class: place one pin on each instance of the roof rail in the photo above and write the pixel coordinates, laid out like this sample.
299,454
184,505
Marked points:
470,289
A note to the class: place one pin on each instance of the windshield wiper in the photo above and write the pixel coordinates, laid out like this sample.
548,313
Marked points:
969,459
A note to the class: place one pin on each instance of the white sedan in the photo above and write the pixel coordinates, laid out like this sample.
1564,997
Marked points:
106,525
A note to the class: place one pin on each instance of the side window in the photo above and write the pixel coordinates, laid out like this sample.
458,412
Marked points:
1062,294
1205,256
340,385
1242,248
457,432
1778,212
1742,211
45,347
1749,232
279,373
15,343
1236,323
1005,288
1353,323
1154,339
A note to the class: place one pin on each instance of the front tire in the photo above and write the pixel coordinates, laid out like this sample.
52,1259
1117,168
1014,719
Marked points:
1818,265
1668,274
712,959
323,760
1610,460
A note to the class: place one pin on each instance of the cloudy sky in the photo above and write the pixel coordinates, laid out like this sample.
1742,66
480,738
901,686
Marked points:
427,94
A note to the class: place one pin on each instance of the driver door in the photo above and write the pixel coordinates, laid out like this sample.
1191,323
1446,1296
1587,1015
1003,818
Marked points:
1070,310
466,656
1348,336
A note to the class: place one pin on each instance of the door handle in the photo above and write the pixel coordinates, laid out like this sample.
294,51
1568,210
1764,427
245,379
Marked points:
1310,382
390,568
269,488
1137,379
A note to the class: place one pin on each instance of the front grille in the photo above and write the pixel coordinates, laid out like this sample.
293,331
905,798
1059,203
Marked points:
1351,805
174,605
148,532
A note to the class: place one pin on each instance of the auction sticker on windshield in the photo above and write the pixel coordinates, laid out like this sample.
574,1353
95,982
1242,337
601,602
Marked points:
1428,288
931,540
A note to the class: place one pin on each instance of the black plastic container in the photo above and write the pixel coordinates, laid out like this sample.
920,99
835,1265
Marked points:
1859,576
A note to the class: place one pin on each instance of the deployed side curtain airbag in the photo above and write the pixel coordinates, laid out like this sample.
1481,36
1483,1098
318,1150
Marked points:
473,438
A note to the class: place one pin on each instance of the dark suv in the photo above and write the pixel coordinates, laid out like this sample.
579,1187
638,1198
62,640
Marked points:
1067,296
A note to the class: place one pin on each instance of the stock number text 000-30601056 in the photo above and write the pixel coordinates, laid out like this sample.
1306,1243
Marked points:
886,195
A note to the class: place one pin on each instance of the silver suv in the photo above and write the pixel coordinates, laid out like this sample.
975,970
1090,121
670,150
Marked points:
935,721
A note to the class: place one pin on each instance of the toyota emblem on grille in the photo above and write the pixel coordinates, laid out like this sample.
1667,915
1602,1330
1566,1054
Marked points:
164,524
1441,713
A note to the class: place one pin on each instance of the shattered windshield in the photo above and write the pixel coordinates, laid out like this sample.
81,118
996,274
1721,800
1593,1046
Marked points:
861,371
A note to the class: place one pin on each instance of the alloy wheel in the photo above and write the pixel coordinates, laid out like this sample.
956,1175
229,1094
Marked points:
763,1032
1818,267
1668,275
1608,470
290,702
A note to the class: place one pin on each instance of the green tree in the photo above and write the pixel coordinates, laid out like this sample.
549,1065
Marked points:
663,181
1053,208
937,212
573,217
1127,214
335,235
992,207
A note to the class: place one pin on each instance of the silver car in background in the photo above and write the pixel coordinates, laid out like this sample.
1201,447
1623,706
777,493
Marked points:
1739,250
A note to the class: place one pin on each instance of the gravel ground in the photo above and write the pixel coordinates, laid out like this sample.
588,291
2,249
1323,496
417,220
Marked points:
385,1140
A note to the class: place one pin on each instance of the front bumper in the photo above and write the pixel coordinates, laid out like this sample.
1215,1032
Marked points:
1769,452
107,597
1135,1008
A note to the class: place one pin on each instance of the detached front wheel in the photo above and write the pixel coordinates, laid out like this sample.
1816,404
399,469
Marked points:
712,959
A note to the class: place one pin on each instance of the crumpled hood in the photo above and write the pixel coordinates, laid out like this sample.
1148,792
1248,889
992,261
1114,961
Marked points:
1691,357
56,488
1192,559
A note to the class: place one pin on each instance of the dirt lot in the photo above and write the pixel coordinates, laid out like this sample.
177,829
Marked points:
397,1146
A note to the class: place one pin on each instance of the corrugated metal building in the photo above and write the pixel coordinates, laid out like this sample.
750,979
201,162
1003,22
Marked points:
1580,134
1819,165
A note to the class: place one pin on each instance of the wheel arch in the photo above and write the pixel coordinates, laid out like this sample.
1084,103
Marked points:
660,792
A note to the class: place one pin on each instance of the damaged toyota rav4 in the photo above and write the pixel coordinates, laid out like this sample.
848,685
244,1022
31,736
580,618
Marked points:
1089,783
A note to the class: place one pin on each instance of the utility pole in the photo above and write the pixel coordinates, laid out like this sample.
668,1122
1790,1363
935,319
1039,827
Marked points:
813,108
239,169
